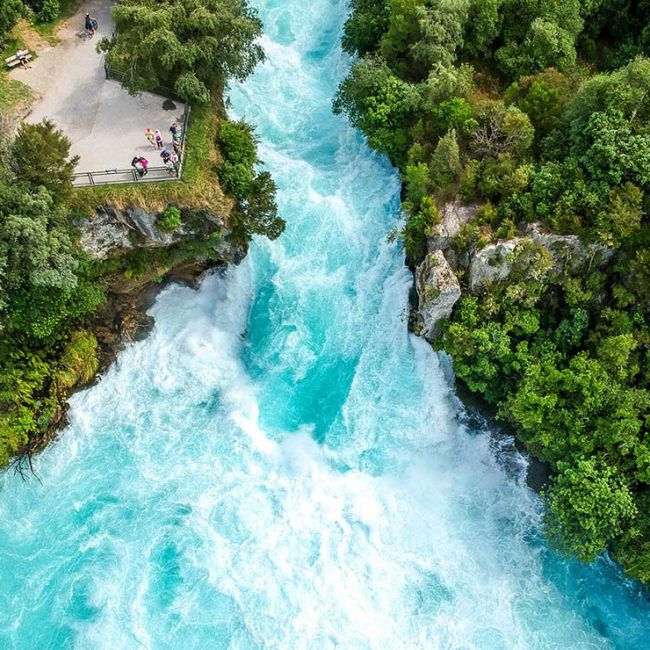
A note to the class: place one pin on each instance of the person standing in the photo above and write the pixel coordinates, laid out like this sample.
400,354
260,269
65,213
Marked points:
90,25
138,166
151,137
159,140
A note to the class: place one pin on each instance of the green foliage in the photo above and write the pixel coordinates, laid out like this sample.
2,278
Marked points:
49,10
542,97
560,343
445,163
10,11
256,212
170,219
367,22
78,363
46,288
483,26
588,505
380,104
418,228
40,155
192,46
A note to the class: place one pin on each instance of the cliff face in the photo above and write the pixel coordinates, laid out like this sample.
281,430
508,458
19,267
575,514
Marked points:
136,259
449,269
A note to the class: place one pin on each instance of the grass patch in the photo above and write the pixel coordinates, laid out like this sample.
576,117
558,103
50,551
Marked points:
198,188
15,96
48,30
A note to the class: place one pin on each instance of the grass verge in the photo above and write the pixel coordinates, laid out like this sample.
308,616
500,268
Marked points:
15,96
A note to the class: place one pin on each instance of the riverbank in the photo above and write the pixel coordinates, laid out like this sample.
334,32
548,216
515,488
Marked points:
528,241
71,305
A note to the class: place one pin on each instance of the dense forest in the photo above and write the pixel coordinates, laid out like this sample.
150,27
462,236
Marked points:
50,288
538,111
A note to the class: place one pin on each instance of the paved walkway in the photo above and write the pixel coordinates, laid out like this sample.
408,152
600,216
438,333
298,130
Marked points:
104,123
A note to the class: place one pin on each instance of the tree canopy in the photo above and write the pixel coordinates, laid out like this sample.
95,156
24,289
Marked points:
537,111
190,46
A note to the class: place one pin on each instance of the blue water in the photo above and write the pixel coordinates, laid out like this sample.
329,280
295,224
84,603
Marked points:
281,465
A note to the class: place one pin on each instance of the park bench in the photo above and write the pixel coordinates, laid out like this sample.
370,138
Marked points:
13,61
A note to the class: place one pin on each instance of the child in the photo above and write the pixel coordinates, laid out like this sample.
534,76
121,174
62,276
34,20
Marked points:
159,140
151,137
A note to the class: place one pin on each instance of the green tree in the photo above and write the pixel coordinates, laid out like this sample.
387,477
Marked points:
441,28
542,97
41,157
589,505
256,210
483,26
365,26
192,46
10,11
403,30
445,164
380,104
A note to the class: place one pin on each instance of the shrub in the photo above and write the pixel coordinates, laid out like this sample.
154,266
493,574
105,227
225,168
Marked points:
78,363
41,157
49,11
170,219
10,11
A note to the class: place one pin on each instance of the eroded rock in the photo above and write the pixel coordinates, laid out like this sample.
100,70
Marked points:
438,290
492,264
454,216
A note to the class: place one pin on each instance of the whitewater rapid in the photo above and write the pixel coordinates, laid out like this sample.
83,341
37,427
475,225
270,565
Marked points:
280,464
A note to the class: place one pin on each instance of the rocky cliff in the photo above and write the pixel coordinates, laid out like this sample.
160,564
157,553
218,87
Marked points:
136,258
448,269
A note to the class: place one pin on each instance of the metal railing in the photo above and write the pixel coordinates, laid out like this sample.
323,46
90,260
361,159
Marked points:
131,175
109,176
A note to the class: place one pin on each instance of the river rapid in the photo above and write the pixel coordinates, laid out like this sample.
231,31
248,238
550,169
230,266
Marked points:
280,464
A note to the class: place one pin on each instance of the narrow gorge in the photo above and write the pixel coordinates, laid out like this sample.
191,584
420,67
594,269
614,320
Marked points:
280,463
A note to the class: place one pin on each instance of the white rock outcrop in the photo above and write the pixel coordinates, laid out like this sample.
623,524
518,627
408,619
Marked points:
438,290
111,230
492,263
454,216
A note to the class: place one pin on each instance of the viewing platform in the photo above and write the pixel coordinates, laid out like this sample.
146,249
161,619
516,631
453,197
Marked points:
105,124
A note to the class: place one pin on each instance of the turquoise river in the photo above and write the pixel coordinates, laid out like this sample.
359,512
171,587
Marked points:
280,464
